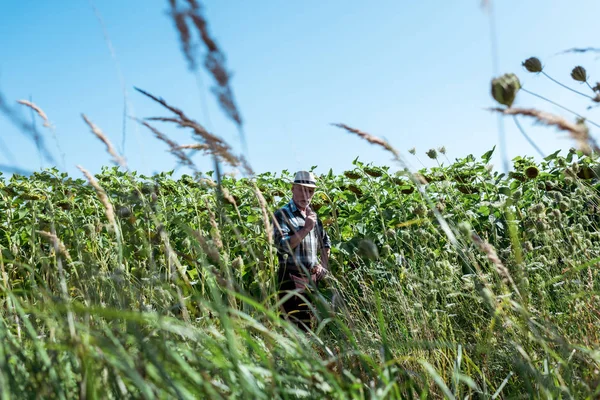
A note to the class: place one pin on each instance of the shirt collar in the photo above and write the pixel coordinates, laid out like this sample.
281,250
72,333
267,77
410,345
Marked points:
293,206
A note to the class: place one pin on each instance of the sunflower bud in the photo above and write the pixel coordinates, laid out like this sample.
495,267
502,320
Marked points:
579,74
532,172
533,64
505,88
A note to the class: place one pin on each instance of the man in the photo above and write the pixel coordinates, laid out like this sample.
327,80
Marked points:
298,234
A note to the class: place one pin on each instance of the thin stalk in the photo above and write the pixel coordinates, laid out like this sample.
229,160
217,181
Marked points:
566,87
531,142
563,107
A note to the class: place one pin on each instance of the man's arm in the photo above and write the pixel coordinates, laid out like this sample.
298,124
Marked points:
283,239
325,251
325,246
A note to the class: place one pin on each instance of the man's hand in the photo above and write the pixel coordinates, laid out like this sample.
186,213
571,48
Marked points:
320,272
310,221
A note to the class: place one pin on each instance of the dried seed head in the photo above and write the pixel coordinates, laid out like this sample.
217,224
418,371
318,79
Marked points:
557,214
352,174
420,210
558,197
505,88
431,153
537,208
412,151
533,64
442,149
579,74
527,246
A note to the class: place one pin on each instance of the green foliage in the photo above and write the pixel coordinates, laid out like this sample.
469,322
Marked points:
180,302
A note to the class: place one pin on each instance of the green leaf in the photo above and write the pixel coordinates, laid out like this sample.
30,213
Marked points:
487,156
504,190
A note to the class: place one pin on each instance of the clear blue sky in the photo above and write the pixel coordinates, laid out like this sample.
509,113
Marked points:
415,72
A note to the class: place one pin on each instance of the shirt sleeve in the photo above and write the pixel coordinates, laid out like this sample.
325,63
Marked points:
281,233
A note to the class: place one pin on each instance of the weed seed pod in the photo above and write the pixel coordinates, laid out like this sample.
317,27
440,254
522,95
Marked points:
505,88
420,210
558,197
564,205
541,225
431,153
537,208
579,74
557,214
533,65
527,246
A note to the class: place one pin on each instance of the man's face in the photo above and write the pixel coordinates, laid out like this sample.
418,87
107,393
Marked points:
302,195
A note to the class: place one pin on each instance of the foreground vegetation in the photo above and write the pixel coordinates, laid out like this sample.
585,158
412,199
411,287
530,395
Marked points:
460,282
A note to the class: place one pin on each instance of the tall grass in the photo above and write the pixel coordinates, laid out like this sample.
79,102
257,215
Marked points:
454,282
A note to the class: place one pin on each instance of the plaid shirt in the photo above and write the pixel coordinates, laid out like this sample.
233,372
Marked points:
288,221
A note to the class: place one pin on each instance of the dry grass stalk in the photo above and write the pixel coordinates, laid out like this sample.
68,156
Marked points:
214,61
207,182
184,33
193,146
265,214
216,145
172,256
57,243
27,128
174,147
207,248
38,111
109,147
108,208
371,139
492,256
578,132
229,198
213,223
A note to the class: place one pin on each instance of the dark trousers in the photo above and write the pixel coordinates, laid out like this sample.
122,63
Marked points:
295,308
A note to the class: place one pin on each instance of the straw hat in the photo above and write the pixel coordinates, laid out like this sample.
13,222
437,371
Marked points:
305,178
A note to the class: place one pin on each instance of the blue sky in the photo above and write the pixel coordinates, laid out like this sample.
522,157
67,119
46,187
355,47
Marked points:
415,73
